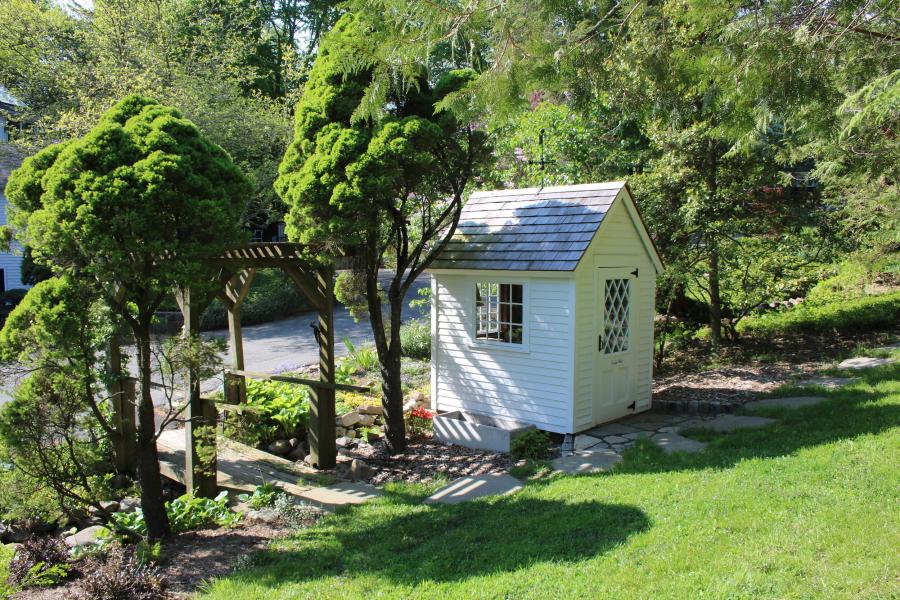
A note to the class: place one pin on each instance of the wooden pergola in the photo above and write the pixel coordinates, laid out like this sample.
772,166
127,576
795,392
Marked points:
236,269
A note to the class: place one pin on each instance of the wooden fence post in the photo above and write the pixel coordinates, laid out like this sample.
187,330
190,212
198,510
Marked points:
200,469
121,391
322,411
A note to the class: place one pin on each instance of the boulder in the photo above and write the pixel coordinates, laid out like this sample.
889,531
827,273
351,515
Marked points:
360,470
86,536
371,409
409,405
366,420
308,459
280,447
263,515
297,454
11,533
110,506
294,442
339,431
128,505
345,442
351,433
350,419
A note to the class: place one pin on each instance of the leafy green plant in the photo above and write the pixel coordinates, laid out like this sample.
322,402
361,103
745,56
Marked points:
415,339
185,513
189,512
264,495
147,553
363,359
40,562
531,445
276,410
6,555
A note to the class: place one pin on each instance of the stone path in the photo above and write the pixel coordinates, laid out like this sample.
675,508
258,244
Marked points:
586,461
795,402
827,382
241,468
469,488
864,362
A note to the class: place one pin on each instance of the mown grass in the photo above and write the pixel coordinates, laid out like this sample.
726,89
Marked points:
804,508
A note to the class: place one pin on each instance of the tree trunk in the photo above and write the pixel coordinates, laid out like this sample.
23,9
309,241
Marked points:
387,343
152,502
715,299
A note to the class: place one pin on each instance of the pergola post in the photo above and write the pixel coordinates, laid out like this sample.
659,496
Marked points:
236,289
122,398
322,411
200,469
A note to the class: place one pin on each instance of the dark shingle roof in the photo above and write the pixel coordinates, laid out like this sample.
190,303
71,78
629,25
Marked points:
532,229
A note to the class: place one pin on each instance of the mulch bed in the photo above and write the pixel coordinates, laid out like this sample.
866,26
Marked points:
190,559
425,458
736,384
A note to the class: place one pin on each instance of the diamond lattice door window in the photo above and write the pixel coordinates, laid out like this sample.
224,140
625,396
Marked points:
615,316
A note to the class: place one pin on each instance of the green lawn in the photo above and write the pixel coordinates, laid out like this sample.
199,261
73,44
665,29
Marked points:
806,508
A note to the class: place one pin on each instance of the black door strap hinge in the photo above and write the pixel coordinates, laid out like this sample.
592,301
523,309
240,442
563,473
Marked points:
635,272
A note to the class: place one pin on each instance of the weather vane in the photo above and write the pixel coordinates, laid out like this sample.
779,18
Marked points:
543,162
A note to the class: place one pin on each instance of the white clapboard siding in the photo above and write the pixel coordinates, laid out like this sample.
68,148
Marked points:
532,383
617,244
10,262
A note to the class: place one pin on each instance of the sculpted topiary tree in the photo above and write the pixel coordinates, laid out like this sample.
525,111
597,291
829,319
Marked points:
386,189
133,207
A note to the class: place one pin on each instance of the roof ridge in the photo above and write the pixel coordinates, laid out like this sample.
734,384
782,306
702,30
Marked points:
598,186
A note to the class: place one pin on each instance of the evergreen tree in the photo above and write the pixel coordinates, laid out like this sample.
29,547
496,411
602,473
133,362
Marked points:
132,208
386,188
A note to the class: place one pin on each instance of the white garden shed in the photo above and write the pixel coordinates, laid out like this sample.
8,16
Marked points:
543,306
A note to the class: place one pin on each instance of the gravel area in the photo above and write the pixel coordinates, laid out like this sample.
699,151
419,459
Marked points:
426,458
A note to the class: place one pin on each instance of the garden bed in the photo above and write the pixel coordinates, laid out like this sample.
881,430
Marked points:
426,459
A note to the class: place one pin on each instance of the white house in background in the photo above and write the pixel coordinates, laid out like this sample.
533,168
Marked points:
543,306
10,262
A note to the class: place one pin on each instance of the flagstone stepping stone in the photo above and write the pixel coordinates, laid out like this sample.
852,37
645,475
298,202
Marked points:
611,429
864,362
828,382
673,442
615,439
792,402
586,461
470,488
728,423
584,441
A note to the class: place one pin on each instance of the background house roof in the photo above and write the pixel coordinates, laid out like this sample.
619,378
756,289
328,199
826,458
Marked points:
8,99
535,229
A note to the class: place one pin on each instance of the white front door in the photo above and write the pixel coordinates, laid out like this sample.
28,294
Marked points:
614,373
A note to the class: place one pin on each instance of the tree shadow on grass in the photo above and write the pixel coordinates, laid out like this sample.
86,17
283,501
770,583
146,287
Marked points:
452,542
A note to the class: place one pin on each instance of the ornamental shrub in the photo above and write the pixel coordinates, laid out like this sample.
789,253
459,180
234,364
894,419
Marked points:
40,562
531,445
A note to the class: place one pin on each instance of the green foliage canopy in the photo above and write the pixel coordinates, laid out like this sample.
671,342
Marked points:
144,184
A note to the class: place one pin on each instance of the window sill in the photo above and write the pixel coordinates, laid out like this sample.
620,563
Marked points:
487,346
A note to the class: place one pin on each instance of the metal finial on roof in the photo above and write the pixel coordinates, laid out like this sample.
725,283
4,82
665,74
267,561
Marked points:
543,162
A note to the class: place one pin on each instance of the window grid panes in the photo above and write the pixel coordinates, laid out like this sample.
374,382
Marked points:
615,316
499,310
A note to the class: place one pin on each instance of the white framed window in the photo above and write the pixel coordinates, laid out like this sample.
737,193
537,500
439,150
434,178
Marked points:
499,312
